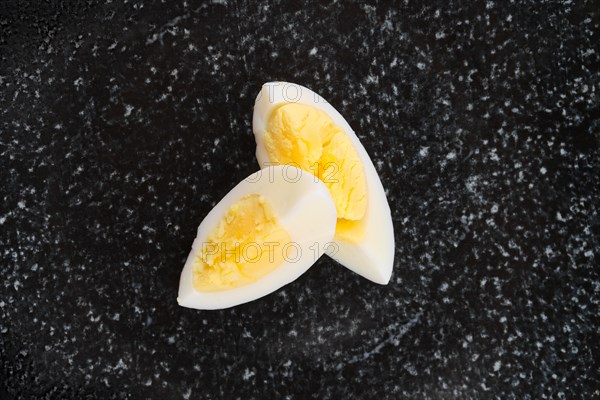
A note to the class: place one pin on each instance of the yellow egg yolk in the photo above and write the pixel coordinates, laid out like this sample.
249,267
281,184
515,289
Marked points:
245,246
306,137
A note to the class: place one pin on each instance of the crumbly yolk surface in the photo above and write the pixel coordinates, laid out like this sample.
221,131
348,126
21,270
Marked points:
306,137
245,246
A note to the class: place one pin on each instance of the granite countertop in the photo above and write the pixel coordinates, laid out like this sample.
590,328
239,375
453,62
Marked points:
121,125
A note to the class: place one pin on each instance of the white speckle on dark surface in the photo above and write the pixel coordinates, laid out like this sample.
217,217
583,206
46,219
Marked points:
497,366
128,110
248,374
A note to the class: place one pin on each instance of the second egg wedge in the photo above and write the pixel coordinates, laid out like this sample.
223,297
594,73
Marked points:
295,126
264,234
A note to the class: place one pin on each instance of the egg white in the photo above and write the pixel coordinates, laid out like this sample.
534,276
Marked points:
303,207
373,256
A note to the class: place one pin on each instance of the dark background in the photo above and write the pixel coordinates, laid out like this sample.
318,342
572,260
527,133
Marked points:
482,118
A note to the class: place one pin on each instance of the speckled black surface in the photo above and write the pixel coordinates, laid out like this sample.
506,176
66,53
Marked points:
483,119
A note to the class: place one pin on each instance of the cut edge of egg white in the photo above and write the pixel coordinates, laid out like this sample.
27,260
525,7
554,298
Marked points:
303,208
373,256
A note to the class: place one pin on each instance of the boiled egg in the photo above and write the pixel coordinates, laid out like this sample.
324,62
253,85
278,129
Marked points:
264,234
295,126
